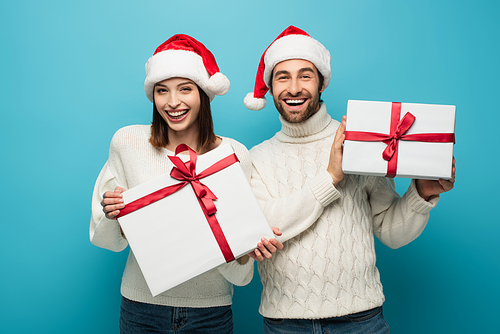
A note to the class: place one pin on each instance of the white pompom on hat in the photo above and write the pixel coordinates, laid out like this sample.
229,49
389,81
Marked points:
184,57
292,43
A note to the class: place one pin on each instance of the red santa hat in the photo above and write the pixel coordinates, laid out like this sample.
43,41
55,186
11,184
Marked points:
292,43
183,56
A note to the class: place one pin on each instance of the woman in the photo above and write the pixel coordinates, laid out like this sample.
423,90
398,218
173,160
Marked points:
182,78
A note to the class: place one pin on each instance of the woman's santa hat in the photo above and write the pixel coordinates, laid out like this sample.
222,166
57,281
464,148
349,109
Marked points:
292,43
184,57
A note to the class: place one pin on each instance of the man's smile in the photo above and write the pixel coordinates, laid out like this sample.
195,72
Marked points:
295,101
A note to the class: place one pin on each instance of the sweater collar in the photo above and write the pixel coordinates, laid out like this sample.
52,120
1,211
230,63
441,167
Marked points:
310,129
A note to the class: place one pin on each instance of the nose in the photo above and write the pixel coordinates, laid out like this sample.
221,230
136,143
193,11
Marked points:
173,101
294,87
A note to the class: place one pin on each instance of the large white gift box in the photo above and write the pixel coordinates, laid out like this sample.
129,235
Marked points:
172,239
399,139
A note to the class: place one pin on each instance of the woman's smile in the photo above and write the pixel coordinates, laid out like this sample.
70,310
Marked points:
177,115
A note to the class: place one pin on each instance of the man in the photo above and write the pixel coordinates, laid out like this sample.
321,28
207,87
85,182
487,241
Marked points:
325,278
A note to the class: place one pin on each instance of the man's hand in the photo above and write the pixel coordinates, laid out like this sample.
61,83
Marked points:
428,188
112,202
335,162
266,248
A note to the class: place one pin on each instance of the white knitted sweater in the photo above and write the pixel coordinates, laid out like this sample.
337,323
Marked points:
327,267
132,161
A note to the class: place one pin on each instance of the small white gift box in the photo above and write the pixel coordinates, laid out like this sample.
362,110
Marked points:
420,136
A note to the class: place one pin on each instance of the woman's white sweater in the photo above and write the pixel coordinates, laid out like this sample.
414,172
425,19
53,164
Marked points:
132,161
327,267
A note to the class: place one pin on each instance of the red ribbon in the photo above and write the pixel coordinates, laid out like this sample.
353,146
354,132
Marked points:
186,172
398,129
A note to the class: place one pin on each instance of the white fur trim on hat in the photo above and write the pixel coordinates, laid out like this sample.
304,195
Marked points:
183,64
298,47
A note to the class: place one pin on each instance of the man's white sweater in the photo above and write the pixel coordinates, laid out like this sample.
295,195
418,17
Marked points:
327,267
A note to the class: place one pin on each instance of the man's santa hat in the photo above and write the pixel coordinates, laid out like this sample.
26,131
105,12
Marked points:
184,57
292,43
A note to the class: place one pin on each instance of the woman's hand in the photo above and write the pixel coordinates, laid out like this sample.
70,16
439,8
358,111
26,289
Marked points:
266,248
112,202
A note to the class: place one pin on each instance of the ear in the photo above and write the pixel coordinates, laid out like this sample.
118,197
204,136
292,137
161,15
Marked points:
271,86
322,89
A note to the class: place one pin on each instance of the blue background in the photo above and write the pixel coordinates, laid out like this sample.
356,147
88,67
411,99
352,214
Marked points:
72,73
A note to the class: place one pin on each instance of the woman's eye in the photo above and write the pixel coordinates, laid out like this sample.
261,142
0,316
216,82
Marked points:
186,89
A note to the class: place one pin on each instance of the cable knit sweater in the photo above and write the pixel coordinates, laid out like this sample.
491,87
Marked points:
132,161
327,267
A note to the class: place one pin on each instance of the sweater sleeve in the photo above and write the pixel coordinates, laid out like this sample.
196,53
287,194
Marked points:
398,220
104,232
236,273
296,212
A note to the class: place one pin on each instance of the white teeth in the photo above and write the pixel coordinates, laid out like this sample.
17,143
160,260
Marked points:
176,113
294,102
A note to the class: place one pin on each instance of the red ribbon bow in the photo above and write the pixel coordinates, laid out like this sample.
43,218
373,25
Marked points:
186,172
399,127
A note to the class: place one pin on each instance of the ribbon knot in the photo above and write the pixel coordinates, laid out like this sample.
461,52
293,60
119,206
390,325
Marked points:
186,172
392,143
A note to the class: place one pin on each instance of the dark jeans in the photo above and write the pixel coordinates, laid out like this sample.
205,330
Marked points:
138,318
371,321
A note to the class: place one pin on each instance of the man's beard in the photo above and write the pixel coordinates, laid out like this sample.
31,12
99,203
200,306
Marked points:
312,108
